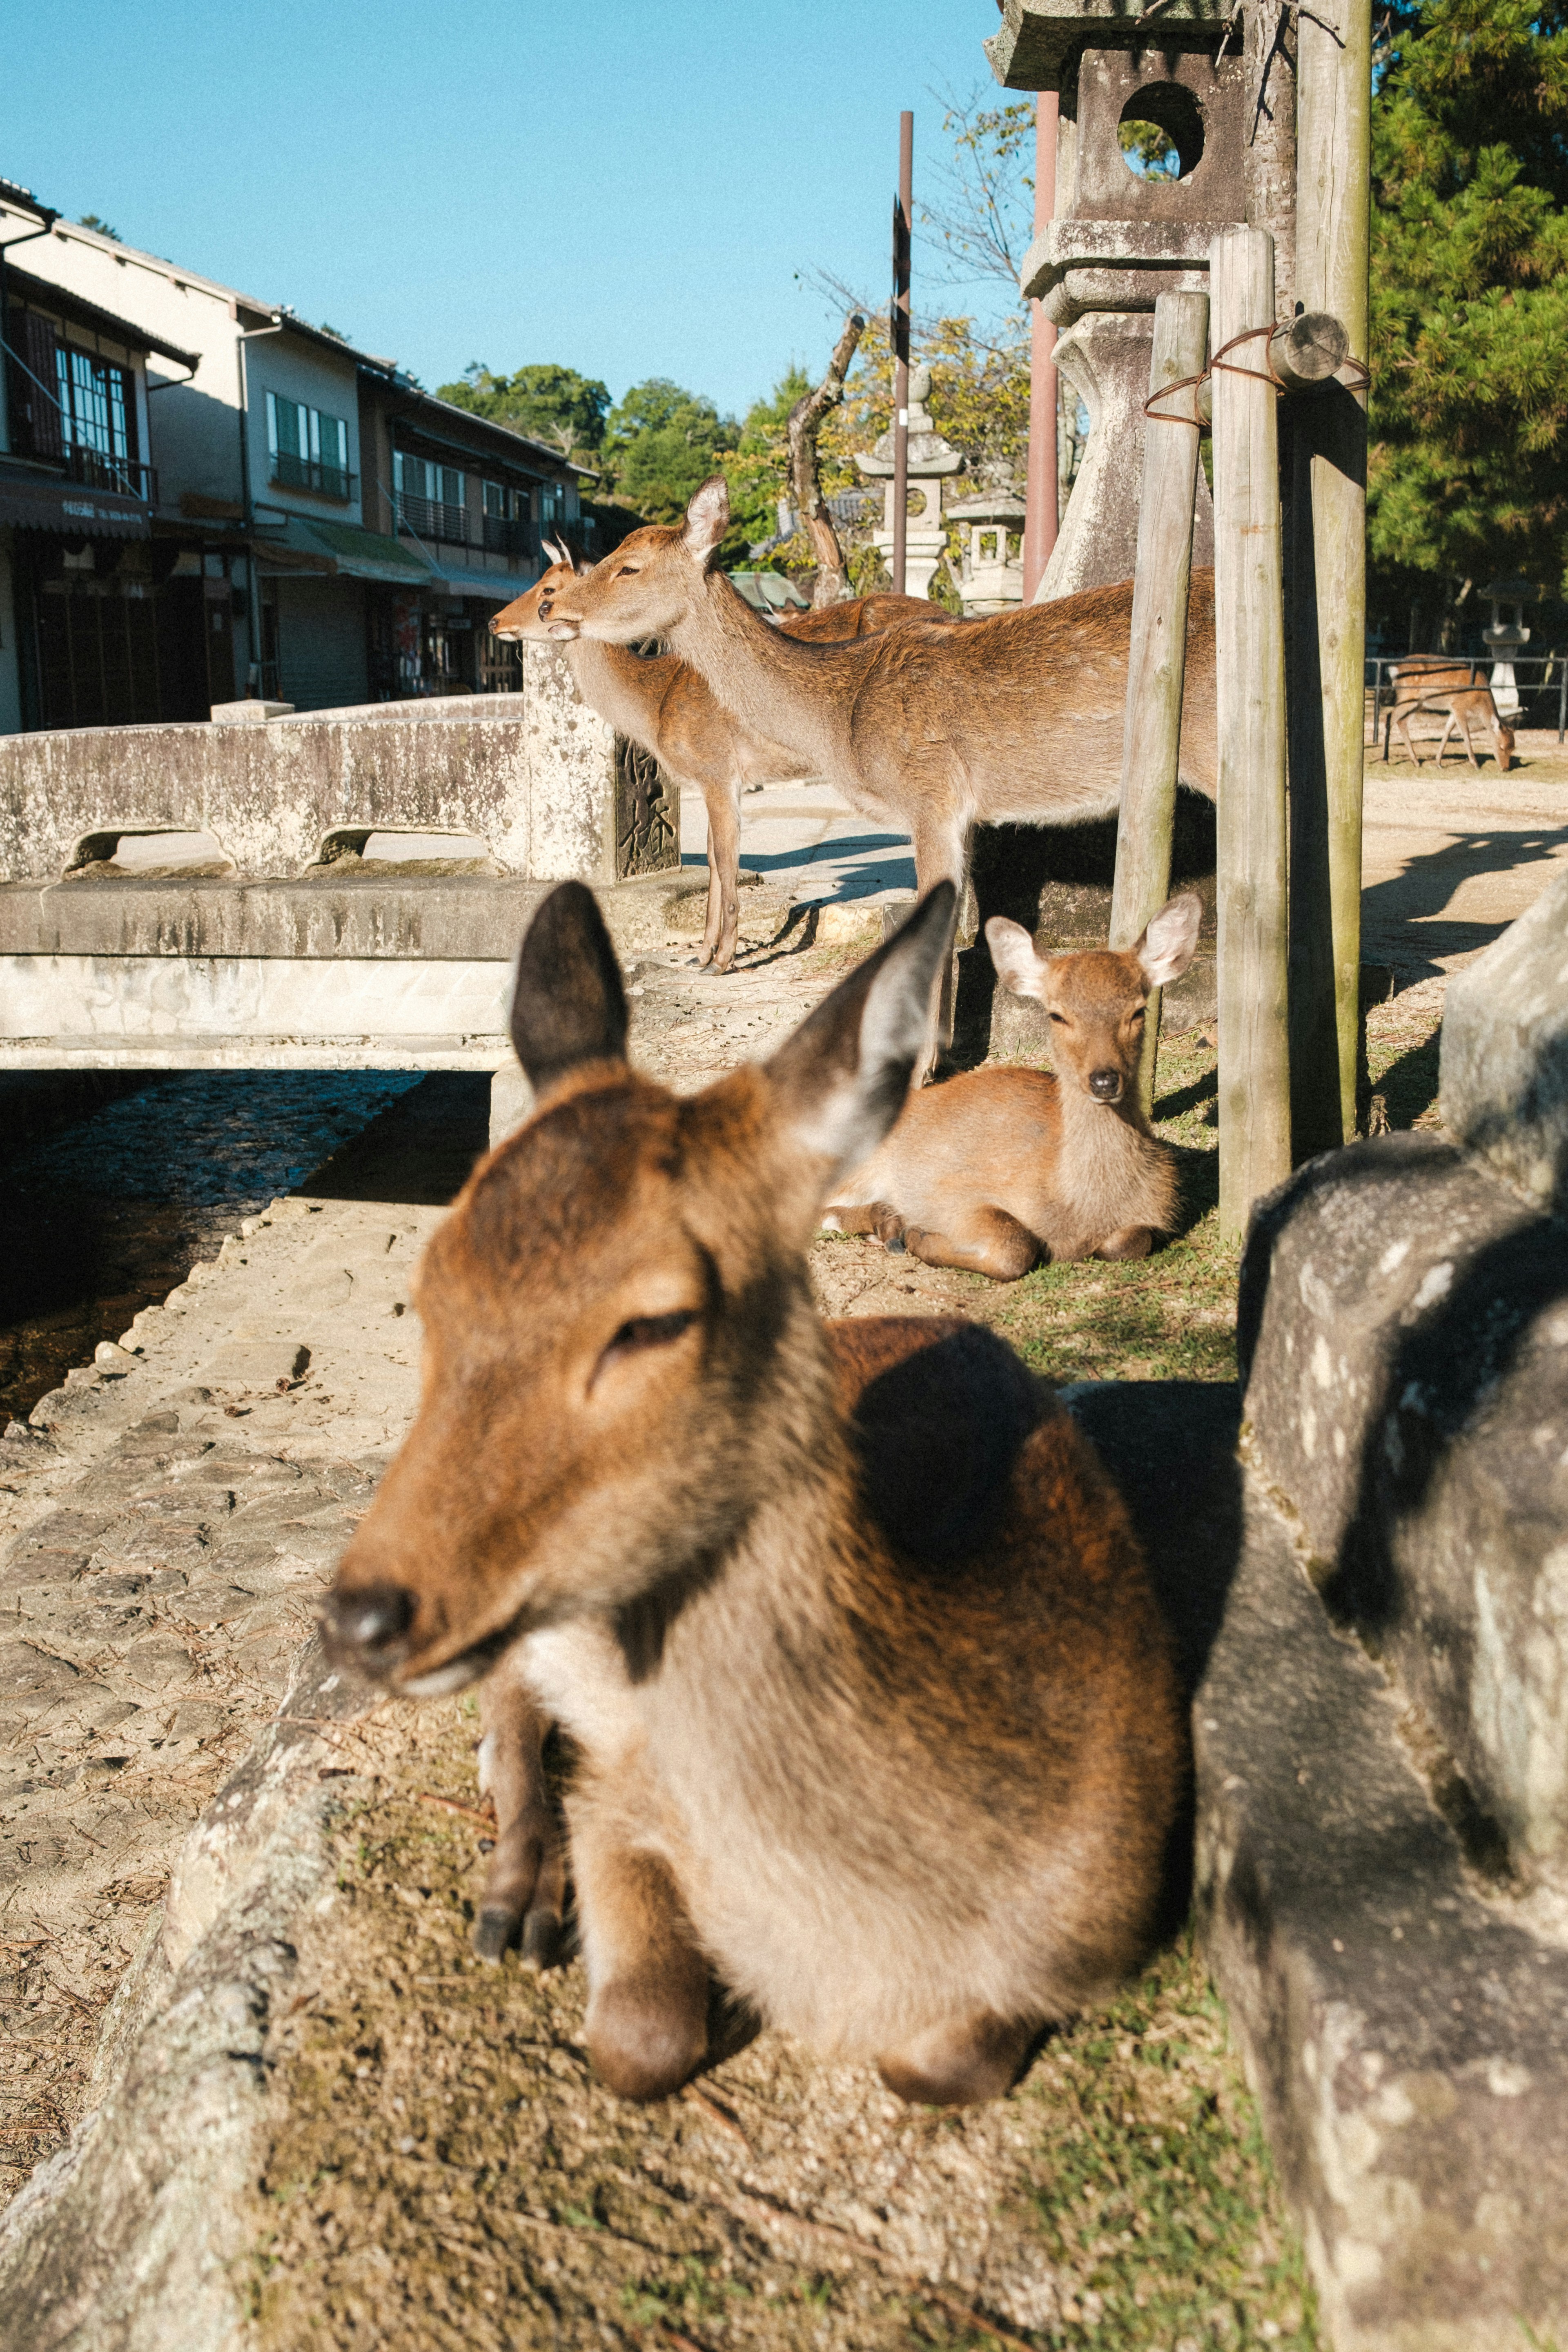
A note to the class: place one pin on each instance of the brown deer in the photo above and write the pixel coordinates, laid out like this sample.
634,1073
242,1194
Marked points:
875,1713
1013,719
1453,687
665,707
1002,1166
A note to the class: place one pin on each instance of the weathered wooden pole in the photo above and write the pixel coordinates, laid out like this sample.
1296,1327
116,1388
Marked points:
1329,580
900,338
1041,485
1157,664
1249,627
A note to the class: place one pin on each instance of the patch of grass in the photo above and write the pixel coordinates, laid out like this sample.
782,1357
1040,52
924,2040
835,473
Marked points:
1159,2200
1402,1038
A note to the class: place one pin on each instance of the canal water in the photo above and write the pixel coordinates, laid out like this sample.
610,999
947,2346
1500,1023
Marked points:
104,1216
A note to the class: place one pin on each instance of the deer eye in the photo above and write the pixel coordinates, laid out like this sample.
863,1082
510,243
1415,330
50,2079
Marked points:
1137,1014
644,1331
1060,1018
628,571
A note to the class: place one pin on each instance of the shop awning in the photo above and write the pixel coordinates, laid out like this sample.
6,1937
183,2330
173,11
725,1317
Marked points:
345,548
32,499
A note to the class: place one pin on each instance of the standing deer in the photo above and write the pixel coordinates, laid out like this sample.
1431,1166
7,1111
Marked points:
1016,718
1002,1166
665,707
876,1715
1426,684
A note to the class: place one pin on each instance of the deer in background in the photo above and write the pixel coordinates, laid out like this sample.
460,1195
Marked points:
1015,718
662,705
1453,687
1000,1166
876,1714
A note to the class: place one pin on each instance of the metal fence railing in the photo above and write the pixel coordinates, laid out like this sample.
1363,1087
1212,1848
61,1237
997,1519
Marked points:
1541,680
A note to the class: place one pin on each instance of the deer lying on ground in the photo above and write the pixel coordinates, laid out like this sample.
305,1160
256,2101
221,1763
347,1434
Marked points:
665,707
1002,1166
1425,685
876,1716
1016,718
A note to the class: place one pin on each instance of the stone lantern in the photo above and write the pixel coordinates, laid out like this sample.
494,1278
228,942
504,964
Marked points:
1506,634
988,580
1224,94
931,458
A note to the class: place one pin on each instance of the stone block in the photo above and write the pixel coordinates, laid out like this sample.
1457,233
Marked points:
1505,1053
1402,1328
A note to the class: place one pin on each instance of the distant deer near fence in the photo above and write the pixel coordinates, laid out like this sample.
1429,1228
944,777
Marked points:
664,706
876,1715
1451,686
1004,1166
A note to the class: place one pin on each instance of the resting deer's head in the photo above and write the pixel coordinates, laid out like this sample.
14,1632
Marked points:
528,619
621,1356
1096,999
647,585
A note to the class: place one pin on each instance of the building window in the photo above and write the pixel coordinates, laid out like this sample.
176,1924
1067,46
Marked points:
96,407
307,449
431,499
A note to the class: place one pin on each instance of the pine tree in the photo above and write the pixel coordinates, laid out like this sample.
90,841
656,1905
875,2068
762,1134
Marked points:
1469,464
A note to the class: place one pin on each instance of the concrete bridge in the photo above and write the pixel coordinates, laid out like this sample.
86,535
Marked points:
336,891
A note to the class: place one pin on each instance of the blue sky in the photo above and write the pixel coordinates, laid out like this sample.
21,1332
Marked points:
626,186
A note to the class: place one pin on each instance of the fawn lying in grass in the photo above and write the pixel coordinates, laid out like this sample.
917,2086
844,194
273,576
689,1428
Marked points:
1002,1166
875,1715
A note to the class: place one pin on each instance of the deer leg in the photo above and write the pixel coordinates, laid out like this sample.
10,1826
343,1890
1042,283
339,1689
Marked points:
525,1886
723,876
1464,719
1401,720
958,2064
942,855
1128,1241
647,1983
994,1244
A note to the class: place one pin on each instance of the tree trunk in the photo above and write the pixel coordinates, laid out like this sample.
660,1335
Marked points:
804,424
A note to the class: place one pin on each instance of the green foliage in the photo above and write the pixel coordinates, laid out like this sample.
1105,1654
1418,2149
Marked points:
985,209
553,404
1149,151
1468,466
91,220
757,469
660,444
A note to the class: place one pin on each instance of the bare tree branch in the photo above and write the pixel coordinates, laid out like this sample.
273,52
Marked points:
804,424
981,221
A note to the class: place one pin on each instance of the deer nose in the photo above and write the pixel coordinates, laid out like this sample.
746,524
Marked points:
367,1618
1105,1086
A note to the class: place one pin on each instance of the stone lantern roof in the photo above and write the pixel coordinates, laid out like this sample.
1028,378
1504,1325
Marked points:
929,453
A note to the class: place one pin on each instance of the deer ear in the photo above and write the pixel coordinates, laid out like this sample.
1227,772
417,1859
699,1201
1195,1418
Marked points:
843,1076
1170,942
1018,965
568,1004
707,520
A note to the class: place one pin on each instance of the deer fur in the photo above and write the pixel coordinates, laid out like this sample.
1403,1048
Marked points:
1000,1166
665,707
1015,718
875,1715
1451,686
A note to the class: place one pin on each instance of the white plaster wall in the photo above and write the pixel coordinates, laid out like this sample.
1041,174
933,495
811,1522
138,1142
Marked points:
297,369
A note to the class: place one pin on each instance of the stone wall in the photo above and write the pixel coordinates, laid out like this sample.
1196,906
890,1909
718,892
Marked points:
532,774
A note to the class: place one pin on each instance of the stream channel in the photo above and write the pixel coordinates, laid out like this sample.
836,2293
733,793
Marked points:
113,1189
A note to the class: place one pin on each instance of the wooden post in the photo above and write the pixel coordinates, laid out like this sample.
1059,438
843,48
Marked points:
1329,581
1041,514
1157,661
1249,627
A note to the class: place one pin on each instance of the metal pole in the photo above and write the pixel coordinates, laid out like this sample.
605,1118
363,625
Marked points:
902,350
1333,221
1042,516
1249,629
1156,666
